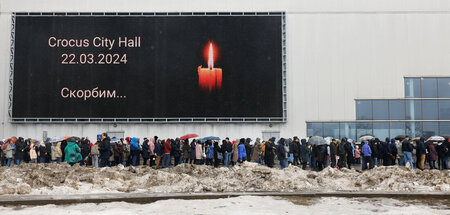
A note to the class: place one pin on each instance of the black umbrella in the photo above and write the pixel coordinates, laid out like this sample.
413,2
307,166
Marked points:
400,137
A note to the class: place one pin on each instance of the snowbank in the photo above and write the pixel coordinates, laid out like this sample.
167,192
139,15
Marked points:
62,179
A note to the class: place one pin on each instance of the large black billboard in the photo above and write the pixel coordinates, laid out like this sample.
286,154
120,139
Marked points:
148,66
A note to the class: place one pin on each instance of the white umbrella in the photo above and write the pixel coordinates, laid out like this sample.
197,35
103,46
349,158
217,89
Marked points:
56,139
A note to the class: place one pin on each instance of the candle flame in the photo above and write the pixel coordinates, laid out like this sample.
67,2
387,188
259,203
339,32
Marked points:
211,57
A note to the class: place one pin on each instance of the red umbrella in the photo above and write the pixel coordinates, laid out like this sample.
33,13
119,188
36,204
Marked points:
187,136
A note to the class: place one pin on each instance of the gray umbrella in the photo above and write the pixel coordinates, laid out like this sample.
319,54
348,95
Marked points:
365,137
317,140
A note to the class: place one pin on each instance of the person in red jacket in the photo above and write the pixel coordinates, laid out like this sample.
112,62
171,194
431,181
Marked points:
167,150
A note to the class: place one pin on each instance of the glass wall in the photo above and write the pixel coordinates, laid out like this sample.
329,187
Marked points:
430,110
444,109
396,109
444,87
420,114
314,129
354,130
363,109
414,129
412,88
348,130
381,129
380,109
363,128
429,87
430,129
413,109
444,128
331,129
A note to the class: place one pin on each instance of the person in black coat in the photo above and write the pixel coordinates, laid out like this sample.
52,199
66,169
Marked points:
349,151
303,150
217,151
105,150
145,151
387,152
321,153
294,148
20,151
176,151
63,146
374,148
85,151
269,155
281,152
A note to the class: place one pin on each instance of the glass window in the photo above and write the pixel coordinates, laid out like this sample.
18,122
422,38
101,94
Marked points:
412,87
444,87
348,130
444,128
363,109
429,88
380,110
396,109
429,110
430,129
444,109
413,129
314,129
396,128
381,130
363,128
413,109
331,129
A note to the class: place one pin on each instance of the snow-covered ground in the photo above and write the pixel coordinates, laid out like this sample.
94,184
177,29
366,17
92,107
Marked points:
60,179
244,205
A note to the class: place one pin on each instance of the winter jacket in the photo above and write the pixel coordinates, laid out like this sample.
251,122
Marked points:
20,149
432,151
85,148
42,150
294,148
145,150
257,149
406,146
227,147
73,153
248,147
94,149
151,146
235,155
341,148
186,149
192,151
280,150
176,148
58,152
365,150
333,149
321,152
304,152
167,146
105,148
33,154
158,149
210,152
9,150
198,151
421,148
242,153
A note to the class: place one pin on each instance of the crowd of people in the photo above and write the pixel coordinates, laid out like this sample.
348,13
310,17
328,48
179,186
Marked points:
163,153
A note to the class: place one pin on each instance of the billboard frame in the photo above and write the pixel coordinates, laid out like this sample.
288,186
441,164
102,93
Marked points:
177,120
